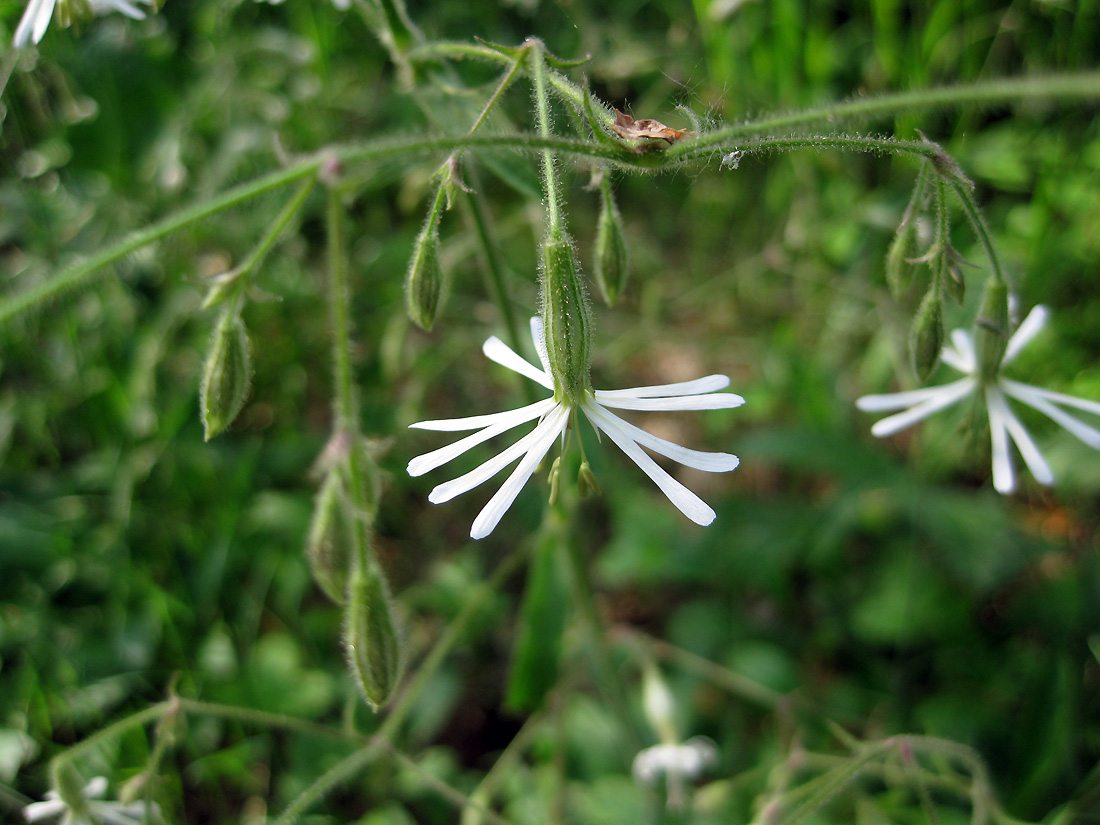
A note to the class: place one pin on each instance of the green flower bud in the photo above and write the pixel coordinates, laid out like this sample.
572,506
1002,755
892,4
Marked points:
330,546
424,281
226,375
900,268
586,481
991,328
926,336
612,260
70,790
567,320
951,276
370,635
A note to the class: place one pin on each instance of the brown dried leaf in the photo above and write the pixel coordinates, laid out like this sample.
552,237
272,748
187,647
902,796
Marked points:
628,128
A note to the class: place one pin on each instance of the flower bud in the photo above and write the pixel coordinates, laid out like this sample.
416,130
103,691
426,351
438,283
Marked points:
586,481
566,318
424,281
70,789
951,276
330,546
226,375
926,336
612,260
658,704
900,267
370,635
554,479
991,328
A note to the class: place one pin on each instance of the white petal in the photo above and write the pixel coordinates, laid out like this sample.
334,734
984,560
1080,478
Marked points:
498,505
1024,442
551,425
1085,404
1025,332
96,787
709,383
429,461
43,810
497,350
709,462
1033,397
902,400
964,348
686,501
476,422
34,22
105,6
714,401
538,335
947,395
1004,478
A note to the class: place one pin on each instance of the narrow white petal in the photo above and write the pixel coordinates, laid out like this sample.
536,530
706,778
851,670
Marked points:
34,22
708,383
709,462
429,461
954,359
948,394
902,400
476,422
538,336
1085,404
1024,442
964,347
549,428
498,505
714,401
497,350
130,10
1025,332
1004,478
44,810
686,501
96,787
1034,399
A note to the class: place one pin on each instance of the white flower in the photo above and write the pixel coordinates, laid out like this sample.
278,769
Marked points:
95,812
676,762
553,417
1003,423
36,18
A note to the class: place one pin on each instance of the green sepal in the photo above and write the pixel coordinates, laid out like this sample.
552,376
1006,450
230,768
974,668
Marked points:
330,546
991,328
370,635
567,319
226,374
612,257
926,335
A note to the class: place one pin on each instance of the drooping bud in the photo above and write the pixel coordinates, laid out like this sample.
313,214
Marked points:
951,276
424,280
586,481
330,546
991,328
370,635
926,336
554,479
900,267
612,259
226,374
566,318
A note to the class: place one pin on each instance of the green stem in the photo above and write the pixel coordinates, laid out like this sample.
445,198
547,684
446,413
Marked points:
542,117
277,226
505,82
977,222
339,773
142,717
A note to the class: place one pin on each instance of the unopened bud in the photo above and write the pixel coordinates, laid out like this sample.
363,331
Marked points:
226,375
331,543
565,315
612,259
900,267
926,336
424,281
658,704
554,478
370,635
991,328
586,481
951,276
70,790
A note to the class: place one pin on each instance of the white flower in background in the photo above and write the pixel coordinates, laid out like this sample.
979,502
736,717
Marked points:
36,18
685,761
94,811
554,415
1003,423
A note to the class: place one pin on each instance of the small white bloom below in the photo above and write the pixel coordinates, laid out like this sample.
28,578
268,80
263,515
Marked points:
553,417
960,354
36,17
95,811
684,762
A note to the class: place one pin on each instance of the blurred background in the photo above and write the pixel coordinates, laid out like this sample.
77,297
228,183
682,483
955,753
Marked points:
883,586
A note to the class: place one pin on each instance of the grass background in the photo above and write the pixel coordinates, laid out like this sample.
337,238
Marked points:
885,586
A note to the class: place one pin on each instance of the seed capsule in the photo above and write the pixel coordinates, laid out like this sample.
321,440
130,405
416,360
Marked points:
370,635
226,374
612,259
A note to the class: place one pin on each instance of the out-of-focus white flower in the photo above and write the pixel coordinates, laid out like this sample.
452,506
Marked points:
685,761
554,415
94,810
36,18
960,354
